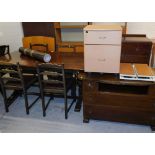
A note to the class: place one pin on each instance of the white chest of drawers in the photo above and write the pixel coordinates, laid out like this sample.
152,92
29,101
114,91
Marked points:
102,48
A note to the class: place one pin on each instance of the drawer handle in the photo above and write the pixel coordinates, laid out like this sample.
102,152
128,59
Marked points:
101,60
102,37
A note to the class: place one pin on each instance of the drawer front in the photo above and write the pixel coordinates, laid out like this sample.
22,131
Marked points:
102,58
119,114
136,101
103,37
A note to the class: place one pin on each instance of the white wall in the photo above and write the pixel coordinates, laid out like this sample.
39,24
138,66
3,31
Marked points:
147,28
11,34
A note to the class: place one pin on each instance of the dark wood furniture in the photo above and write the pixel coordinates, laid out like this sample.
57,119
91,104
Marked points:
53,82
13,78
108,98
38,29
136,49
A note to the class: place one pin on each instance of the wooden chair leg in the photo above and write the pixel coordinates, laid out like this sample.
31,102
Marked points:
66,108
5,100
43,104
26,103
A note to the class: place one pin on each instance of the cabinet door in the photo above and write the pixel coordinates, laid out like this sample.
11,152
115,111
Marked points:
102,58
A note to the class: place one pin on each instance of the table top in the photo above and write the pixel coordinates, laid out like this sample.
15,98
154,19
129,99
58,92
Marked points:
71,61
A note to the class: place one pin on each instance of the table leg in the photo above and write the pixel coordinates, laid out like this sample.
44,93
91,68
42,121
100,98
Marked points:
79,100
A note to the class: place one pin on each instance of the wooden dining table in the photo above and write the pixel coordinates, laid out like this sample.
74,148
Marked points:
73,63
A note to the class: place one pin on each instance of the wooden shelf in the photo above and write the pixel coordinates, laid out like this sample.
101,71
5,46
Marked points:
70,43
68,46
72,26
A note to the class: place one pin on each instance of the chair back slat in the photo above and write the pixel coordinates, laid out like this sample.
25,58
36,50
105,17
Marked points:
8,71
51,73
39,47
10,76
52,81
51,78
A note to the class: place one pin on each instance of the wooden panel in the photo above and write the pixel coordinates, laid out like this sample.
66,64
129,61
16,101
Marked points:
143,70
65,49
38,29
123,100
126,68
119,114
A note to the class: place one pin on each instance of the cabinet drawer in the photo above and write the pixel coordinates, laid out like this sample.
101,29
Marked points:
102,58
102,37
120,114
136,101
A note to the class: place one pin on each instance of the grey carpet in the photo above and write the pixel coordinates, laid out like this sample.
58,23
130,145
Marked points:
16,121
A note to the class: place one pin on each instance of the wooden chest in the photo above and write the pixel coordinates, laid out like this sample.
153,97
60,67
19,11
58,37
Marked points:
108,98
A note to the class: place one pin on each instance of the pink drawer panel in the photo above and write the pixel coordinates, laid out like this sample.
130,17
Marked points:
102,58
102,37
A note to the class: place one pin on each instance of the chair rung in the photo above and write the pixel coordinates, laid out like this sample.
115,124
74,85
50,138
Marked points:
51,73
52,81
11,79
59,91
33,93
8,71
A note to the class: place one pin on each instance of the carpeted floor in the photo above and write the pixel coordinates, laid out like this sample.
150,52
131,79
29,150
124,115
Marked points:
16,121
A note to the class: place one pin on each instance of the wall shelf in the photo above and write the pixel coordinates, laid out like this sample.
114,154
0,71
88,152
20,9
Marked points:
68,46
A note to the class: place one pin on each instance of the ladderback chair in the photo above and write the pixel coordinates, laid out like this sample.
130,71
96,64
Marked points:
53,83
12,78
40,43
